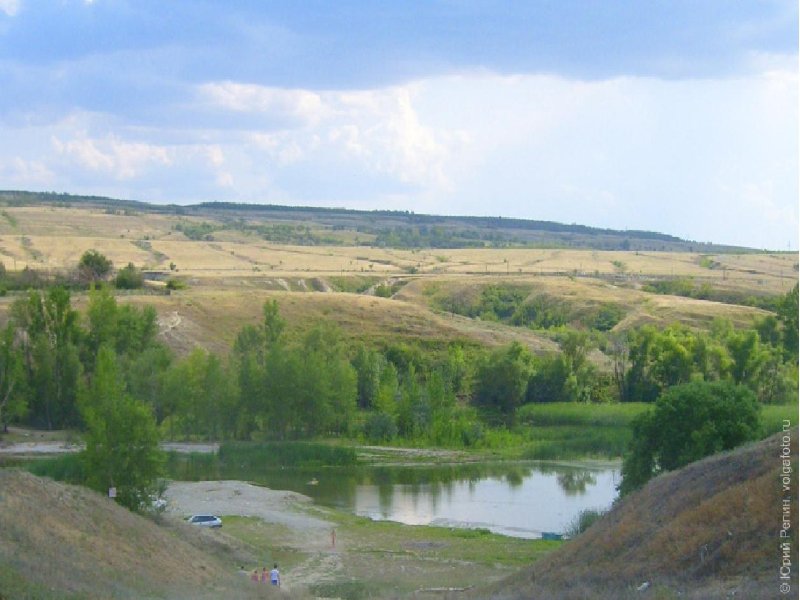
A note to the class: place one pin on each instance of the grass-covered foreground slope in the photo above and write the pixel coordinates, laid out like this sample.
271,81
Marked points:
709,530
61,541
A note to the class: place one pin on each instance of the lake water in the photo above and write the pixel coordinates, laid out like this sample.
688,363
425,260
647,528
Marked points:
516,499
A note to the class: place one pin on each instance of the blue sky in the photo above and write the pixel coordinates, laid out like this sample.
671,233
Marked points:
675,116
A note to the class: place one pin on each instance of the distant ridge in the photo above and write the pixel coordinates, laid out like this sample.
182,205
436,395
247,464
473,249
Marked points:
458,231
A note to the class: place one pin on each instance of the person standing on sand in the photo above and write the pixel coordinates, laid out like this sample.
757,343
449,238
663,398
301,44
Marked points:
275,575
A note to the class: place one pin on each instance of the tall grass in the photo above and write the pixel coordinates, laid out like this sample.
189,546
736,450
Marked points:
65,467
573,413
774,415
582,521
245,460
559,442
286,454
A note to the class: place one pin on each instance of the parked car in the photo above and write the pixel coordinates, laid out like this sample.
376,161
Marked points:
205,520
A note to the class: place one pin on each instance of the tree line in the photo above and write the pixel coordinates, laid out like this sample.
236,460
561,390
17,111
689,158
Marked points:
104,372
273,385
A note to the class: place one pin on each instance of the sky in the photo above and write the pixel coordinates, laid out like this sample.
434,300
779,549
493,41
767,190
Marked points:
677,116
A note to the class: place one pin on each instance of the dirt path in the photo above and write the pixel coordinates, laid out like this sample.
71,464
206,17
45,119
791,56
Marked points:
307,533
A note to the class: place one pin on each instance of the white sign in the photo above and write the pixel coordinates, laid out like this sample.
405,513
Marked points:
112,492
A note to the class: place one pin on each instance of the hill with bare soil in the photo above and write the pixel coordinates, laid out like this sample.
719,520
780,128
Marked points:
62,541
709,530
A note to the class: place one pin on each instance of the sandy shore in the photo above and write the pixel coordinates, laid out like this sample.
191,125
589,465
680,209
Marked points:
242,499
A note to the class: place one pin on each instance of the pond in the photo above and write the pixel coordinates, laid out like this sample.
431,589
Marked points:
515,499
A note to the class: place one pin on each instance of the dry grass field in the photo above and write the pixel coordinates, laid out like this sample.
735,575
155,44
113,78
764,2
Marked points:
229,277
53,237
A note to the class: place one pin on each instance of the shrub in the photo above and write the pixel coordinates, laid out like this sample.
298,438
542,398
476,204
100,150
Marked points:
94,266
129,278
380,427
582,521
176,284
689,421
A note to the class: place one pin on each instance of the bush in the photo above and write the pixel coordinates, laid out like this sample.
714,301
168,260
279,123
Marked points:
383,291
689,422
176,284
93,266
380,427
129,278
582,521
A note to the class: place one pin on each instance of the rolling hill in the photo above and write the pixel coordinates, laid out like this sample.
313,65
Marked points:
709,530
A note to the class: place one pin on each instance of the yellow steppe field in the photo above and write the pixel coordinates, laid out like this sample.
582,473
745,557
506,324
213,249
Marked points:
54,238
756,273
230,278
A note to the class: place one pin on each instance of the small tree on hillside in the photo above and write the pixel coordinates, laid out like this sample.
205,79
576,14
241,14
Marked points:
93,266
689,422
121,438
129,278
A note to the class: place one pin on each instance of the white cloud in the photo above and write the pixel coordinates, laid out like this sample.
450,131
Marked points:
125,160
20,173
304,105
705,159
379,129
10,7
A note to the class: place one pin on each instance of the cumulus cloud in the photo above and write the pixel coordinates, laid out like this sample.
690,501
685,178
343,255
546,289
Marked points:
304,105
379,129
625,152
124,160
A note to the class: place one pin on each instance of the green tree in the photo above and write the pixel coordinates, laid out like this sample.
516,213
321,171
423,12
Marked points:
93,266
274,324
501,380
688,422
13,403
788,316
146,375
121,437
129,278
50,349
368,365
549,380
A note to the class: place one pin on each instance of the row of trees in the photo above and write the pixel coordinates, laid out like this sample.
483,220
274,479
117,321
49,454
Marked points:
276,386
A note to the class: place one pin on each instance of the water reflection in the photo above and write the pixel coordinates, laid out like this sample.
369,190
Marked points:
521,499
575,481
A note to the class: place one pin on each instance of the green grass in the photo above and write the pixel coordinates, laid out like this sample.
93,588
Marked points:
573,413
478,546
286,454
564,442
773,416
64,467
261,537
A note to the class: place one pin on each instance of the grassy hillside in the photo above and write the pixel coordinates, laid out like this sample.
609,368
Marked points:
61,541
311,225
709,530
230,270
